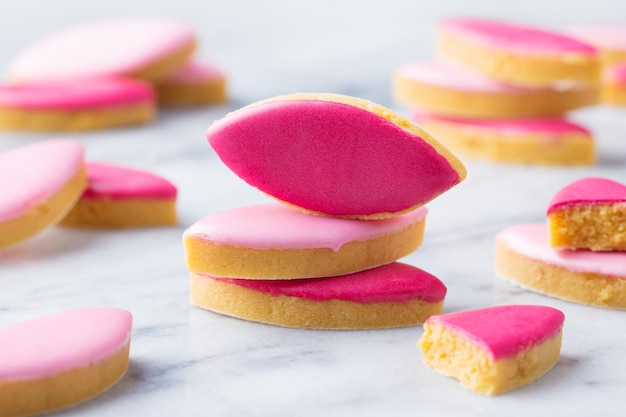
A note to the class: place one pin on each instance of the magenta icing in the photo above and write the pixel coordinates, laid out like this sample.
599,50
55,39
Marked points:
276,226
451,76
119,182
504,331
330,157
49,345
395,282
531,241
515,38
76,94
616,73
32,173
195,72
544,125
588,191
101,48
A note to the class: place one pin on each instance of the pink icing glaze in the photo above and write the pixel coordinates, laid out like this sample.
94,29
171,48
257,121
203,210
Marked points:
32,173
588,191
531,241
102,48
330,157
76,94
515,38
395,282
459,78
49,345
547,126
276,226
195,72
504,331
616,73
610,37
118,182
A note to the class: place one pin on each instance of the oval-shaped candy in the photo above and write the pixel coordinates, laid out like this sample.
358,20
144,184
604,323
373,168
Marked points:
58,360
335,155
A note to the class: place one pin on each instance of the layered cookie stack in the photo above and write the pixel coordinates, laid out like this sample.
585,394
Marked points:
611,41
500,92
580,255
353,178
104,74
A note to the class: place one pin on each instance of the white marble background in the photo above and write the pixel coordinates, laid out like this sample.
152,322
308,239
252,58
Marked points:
188,362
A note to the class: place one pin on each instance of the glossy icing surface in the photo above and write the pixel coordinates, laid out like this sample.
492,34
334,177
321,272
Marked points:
62,341
515,38
43,168
276,226
504,331
76,94
101,48
531,240
321,155
452,76
114,181
591,190
548,126
195,72
395,282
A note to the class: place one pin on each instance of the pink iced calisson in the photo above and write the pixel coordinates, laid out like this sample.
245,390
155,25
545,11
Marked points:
335,155
58,360
496,349
388,296
518,54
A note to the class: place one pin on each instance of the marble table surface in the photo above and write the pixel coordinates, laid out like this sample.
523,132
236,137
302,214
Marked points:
188,362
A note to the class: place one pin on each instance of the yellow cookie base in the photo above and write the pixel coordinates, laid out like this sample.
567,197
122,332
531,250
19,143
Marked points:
197,94
520,69
281,310
471,104
580,287
36,120
239,262
162,68
455,356
521,148
598,227
121,213
28,397
45,214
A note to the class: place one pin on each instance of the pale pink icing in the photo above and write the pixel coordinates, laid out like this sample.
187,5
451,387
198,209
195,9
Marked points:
504,331
49,345
616,73
458,78
546,125
194,72
610,37
330,157
531,241
588,191
394,283
76,94
101,48
32,173
276,226
515,38
119,182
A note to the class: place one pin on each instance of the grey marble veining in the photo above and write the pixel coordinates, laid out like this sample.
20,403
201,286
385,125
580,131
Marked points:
190,362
